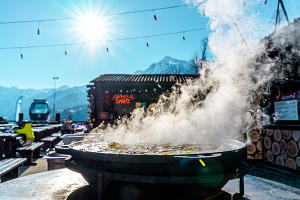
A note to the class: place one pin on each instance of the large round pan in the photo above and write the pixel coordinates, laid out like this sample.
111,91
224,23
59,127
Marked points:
208,172
166,165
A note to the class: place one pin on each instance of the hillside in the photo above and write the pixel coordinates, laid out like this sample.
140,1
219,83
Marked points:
67,99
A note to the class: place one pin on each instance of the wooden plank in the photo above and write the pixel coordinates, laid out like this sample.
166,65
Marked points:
7,165
56,134
31,147
49,139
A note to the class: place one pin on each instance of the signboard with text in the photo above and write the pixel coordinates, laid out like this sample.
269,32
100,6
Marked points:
122,99
286,106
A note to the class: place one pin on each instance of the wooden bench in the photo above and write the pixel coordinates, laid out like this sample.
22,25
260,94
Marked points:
49,142
56,127
56,134
39,133
10,168
31,151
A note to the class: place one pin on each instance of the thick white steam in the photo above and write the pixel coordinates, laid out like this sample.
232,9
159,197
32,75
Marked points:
215,107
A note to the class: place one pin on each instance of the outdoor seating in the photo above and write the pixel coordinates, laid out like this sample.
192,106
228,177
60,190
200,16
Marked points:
30,152
49,142
10,168
8,144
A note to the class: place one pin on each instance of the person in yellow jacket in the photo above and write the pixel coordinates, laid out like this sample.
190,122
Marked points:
25,130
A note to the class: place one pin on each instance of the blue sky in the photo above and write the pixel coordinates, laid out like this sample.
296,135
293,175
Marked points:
84,63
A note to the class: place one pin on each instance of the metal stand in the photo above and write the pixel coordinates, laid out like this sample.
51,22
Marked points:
100,186
101,183
103,177
239,195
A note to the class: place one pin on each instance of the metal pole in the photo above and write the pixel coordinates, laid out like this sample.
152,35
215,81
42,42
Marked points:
277,13
284,11
54,95
241,35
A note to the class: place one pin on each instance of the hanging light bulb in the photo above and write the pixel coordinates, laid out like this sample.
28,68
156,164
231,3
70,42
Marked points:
107,50
21,54
154,15
66,53
147,44
183,38
38,29
266,1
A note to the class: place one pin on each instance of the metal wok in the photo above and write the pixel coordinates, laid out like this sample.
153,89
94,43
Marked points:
218,168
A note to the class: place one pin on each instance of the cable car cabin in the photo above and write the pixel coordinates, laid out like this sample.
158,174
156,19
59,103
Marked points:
115,95
39,110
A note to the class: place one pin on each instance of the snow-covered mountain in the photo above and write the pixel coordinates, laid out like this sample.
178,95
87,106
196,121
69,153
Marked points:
68,99
169,65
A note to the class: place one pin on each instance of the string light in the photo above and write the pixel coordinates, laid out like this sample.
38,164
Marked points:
66,53
107,14
147,44
154,15
113,40
39,30
21,55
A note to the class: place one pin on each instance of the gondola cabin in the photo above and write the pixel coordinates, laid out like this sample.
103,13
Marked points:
39,110
115,95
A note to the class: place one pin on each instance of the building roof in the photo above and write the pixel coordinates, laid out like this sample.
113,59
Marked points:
172,78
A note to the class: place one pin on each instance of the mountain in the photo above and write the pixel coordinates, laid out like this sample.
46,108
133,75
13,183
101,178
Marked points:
72,101
169,65
69,101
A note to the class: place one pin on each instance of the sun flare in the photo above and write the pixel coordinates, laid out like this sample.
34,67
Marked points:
92,28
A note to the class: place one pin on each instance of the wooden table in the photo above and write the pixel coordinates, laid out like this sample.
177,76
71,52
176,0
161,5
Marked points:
8,144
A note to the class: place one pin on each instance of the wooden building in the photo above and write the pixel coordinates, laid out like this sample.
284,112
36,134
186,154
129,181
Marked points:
278,142
115,95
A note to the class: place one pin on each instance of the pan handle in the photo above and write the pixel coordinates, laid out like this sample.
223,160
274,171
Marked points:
200,156
63,150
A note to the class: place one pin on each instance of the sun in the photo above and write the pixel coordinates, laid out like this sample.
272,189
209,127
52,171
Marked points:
92,28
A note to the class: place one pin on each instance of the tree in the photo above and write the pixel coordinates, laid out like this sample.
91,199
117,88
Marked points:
197,63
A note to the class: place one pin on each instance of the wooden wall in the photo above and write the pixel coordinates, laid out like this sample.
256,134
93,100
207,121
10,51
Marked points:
281,147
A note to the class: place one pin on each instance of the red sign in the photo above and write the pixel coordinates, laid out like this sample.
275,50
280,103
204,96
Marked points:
123,99
286,96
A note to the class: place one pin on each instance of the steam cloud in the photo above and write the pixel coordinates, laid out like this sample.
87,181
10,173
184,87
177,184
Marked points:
215,107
